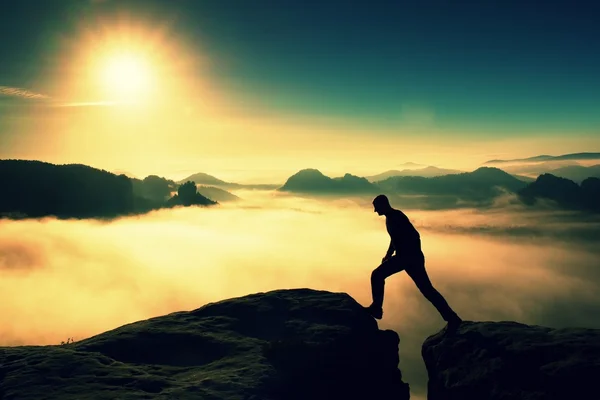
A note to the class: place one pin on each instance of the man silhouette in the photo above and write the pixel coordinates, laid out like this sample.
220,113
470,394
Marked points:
406,242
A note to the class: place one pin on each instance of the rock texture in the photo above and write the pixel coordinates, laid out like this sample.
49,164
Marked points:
509,360
285,344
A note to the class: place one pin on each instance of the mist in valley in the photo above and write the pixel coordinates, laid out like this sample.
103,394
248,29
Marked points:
77,278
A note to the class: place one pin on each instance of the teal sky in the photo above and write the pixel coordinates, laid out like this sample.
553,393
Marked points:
486,69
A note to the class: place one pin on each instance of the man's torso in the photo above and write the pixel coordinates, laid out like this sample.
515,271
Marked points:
405,237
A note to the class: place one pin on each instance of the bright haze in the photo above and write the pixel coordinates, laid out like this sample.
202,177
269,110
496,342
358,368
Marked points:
254,91
241,87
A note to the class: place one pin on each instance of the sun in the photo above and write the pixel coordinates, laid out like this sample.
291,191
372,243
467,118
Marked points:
119,60
126,76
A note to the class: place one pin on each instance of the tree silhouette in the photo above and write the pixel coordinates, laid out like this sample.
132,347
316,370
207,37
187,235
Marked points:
156,187
187,193
38,189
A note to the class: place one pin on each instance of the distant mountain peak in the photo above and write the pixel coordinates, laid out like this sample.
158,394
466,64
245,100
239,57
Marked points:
310,180
351,176
489,170
547,177
203,178
308,173
426,172
545,157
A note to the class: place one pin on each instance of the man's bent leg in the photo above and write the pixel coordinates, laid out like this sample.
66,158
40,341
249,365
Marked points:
416,270
378,276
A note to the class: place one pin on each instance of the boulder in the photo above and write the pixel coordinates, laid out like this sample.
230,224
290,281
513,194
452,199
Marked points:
510,360
283,344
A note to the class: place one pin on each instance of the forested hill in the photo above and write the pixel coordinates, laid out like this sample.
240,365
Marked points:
37,189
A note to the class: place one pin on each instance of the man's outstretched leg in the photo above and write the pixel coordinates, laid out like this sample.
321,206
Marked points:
378,276
416,270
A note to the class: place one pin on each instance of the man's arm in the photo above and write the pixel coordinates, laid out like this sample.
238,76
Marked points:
390,251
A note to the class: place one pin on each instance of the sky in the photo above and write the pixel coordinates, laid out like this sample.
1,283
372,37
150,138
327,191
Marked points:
253,91
261,89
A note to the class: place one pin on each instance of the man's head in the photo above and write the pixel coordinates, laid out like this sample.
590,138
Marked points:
382,204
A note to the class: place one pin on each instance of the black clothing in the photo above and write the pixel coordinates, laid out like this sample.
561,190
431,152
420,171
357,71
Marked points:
404,236
406,241
415,268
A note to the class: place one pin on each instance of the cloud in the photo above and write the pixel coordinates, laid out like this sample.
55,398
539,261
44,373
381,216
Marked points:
28,95
21,93
78,278
516,222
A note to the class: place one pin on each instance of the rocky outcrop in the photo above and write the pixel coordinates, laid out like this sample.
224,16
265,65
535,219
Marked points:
509,360
284,344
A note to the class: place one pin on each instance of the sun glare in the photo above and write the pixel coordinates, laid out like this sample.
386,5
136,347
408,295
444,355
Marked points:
126,77
120,61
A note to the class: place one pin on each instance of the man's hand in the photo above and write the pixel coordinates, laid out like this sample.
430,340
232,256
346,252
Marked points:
391,249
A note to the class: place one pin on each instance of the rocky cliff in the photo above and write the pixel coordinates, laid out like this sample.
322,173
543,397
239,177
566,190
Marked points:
509,360
284,344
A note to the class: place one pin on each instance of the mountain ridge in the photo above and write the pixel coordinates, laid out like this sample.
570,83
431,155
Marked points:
569,156
201,178
429,171
313,181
